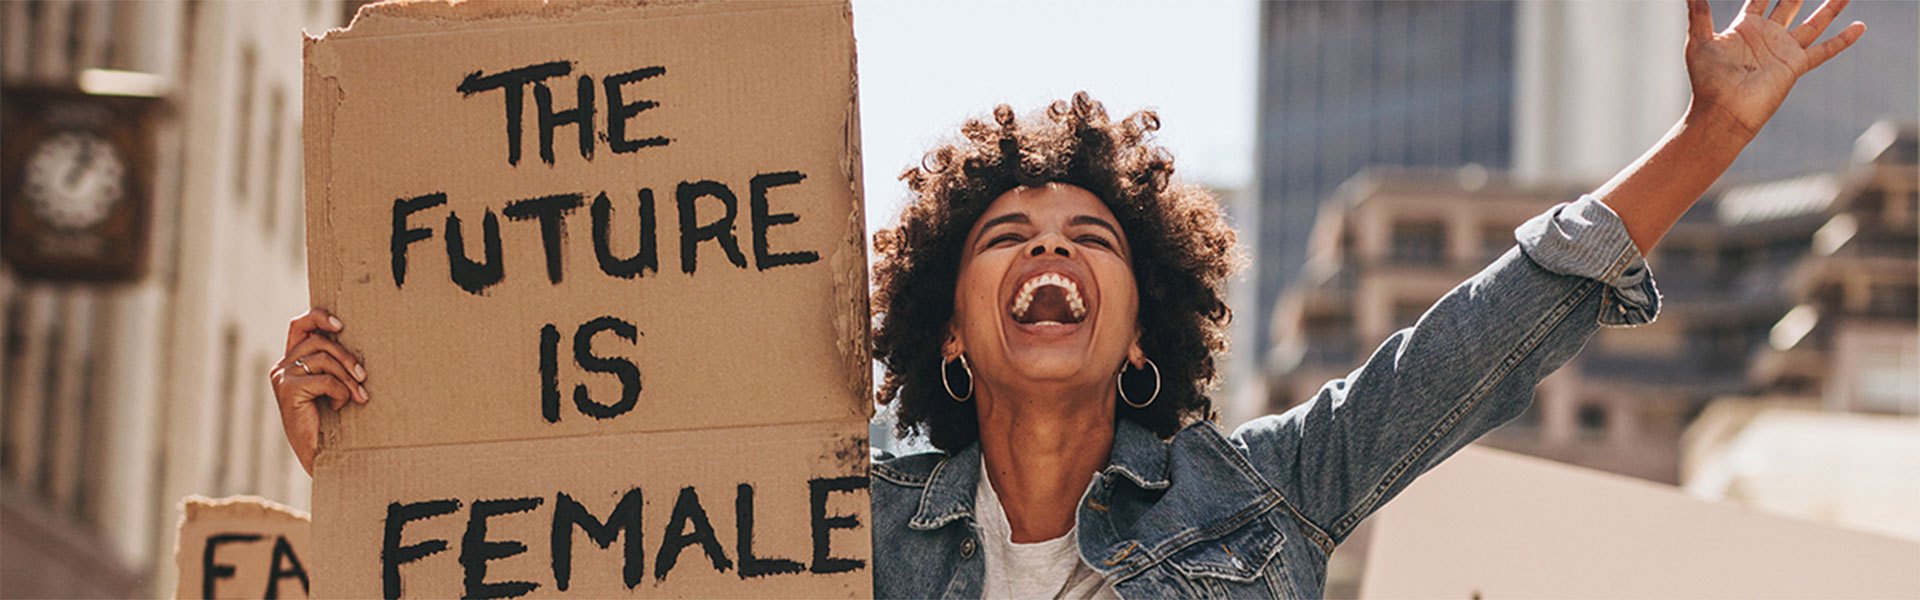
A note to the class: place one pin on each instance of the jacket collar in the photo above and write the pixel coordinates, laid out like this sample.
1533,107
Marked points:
949,492
1137,454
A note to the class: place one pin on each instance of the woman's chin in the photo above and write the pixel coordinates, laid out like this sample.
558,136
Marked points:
1049,354
1053,364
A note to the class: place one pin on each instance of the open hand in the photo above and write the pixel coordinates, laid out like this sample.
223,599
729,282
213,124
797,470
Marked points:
1745,72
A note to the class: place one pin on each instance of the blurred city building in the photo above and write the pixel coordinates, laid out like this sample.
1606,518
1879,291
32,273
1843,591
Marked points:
123,396
1242,381
1349,85
1826,430
1798,290
1786,457
1542,91
1596,84
1802,287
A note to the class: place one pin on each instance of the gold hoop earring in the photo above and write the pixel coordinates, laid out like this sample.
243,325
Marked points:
1119,385
949,386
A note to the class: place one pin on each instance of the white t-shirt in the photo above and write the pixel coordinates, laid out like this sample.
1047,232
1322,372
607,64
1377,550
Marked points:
1045,569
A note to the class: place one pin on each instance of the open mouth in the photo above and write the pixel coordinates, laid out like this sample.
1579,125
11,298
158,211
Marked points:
1048,299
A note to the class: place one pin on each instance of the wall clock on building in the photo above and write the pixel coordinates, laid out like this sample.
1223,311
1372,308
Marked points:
77,184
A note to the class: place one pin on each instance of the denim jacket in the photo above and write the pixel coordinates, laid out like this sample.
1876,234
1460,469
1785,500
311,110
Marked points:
1256,513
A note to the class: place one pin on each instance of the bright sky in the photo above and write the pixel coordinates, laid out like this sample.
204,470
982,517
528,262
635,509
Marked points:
926,66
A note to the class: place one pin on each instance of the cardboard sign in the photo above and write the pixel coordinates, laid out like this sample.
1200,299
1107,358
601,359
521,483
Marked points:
241,547
604,263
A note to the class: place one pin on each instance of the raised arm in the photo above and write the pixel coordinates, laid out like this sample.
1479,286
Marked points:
1473,360
1739,78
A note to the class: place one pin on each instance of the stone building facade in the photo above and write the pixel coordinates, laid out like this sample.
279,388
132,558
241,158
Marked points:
121,398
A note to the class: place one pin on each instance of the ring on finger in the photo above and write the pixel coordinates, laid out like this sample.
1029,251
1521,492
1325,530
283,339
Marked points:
303,366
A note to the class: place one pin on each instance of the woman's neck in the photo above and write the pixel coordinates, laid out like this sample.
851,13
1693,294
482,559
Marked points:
1040,455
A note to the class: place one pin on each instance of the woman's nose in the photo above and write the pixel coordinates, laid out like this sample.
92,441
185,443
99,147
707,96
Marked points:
1050,244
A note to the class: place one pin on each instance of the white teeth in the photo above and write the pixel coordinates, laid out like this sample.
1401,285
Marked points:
1024,300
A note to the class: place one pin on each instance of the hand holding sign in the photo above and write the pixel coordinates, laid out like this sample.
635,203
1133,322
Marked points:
315,368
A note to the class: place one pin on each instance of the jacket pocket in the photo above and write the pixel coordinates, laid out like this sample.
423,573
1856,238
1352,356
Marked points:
1239,556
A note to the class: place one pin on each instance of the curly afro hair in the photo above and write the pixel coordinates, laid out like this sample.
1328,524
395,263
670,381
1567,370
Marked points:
1182,253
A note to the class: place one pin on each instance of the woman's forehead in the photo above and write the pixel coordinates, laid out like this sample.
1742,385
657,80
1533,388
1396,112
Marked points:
1045,202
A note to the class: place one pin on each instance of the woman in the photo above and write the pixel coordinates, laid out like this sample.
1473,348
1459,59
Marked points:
1048,309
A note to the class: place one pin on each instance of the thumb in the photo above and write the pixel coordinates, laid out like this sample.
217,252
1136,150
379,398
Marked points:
301,420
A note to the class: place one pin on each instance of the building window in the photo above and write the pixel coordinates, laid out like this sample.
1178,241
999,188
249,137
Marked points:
1676,260
1419,242
1721,349
1893,300
1732,258
224,422
1592,418
1494,241
1886,380
1829,296
266,478
1405,314
1330,339
273,197
243,124
1783,254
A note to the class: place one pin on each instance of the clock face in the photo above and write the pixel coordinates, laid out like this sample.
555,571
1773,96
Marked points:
73,179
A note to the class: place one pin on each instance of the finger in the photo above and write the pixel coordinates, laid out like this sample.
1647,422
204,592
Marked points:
1820,53
354,370
1817,22
1699,20
316,318
299,389
298,393
1784,11
321,362
1755,7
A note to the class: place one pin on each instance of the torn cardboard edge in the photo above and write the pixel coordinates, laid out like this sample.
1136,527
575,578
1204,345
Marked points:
197,507
853,327
401,17
241,546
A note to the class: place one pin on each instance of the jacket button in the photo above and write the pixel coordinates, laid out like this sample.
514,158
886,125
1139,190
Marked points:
966,548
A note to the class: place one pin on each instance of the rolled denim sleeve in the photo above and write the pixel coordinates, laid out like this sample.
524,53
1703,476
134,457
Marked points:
1586,239
1469,364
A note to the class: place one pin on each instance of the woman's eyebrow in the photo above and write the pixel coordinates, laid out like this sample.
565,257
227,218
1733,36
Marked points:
1093,220
1017,217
